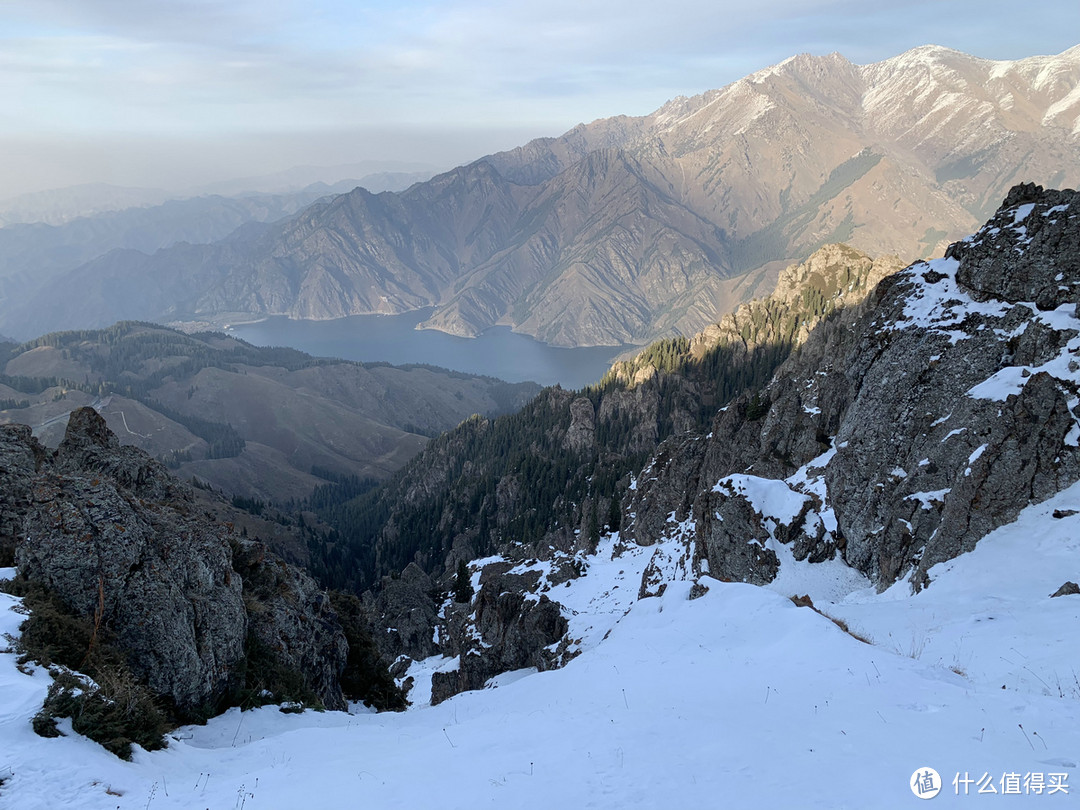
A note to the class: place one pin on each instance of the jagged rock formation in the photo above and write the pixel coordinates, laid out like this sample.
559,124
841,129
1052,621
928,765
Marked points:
119,540
109,532
901,433
627,229
510,623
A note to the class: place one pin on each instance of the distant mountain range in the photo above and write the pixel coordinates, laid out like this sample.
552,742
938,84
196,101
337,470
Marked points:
54,241
58,206
627,229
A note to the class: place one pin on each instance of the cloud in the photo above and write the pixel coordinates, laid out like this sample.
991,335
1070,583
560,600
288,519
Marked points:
228,67
199,22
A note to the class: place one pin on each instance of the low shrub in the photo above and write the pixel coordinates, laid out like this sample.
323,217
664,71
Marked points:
109,705
116,712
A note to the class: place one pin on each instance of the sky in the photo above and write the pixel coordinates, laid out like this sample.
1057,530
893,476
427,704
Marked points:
173,93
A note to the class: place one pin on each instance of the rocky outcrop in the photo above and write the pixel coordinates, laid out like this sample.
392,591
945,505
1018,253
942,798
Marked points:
919,423
581,435
507,627
153,572
510,623
404,615
988,266
1069,588
187,601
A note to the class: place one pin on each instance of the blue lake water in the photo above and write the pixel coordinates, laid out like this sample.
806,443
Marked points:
498,352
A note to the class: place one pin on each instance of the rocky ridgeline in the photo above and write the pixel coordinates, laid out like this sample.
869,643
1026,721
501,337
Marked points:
121,541
900,433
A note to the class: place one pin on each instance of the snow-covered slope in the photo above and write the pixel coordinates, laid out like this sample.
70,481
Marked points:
737,698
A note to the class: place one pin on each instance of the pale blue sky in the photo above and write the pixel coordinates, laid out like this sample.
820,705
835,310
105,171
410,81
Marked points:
168,92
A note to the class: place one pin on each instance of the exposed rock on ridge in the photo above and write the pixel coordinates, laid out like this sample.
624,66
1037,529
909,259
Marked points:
902,436
117,538
105,532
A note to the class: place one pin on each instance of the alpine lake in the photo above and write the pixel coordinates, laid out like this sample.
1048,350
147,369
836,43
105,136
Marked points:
497,352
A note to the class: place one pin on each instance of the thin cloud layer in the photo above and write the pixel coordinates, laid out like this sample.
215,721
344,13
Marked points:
213,69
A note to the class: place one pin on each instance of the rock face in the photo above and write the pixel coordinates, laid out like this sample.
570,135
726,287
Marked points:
509,624
988,267
581,435
109,531
117,538
900,434
404,615
507,627
290,616
22,459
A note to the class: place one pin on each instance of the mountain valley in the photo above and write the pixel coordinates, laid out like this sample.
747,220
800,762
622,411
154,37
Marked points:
809,541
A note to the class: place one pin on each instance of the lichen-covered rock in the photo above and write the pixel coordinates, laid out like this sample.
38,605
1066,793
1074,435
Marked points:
159,577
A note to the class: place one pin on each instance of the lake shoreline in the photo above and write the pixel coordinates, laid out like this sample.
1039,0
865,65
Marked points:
398,339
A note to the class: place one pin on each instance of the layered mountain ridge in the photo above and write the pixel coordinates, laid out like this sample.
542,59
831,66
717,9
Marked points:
916,412
627,229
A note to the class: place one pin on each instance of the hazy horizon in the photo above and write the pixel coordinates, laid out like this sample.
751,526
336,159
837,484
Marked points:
183,93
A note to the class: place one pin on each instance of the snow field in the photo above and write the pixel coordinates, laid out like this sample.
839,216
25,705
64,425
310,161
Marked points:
735,699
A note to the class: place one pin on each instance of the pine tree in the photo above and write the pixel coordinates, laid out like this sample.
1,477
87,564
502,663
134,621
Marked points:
593,529
614,514
463,589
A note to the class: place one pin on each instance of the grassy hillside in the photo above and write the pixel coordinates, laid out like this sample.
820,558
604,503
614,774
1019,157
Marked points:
252,421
